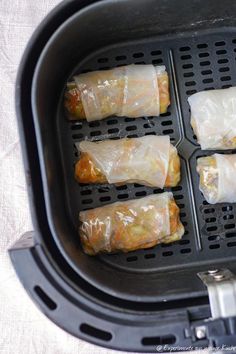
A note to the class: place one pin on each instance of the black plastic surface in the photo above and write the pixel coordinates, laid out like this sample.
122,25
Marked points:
129,330
200,223
185,59
166,292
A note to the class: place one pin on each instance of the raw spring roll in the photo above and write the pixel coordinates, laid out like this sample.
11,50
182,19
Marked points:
131,91
150,160
131,225
213,118
218,178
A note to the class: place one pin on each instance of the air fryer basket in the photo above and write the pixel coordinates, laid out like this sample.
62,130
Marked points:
143,290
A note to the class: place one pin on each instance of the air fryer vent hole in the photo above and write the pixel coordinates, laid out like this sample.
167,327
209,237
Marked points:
187,66
179,197
77,136
105,199
177,188
223,61
225,78
156,52
162,340
184,242
94,124
132,259
207,81
113,130
220,52
138,55
112,121
213,247
228,217
206,72
47,300
185,250
211,228
121,57
150,124
184,49
189,74
95,133
131,127
224,69
167,254
149,255
209,211
86,192
123,196
87,201
227,208
205,63
229,226
219,44
190,92
203,55
186,57
95,332
76,126
213,238
141,194
202,45
103,60
226,86
208,220
121,188
230,234
157,61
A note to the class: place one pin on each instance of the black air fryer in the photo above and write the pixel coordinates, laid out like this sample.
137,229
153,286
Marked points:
173,296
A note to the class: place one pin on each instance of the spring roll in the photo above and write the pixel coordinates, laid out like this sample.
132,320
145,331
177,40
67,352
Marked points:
218,178
131,225
213,118
131,91
150,160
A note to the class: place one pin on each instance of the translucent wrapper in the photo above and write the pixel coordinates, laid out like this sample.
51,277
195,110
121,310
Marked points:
217,178
131,225
131,91
149,160
213,118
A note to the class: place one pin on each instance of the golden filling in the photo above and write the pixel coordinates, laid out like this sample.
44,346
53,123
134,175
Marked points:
74,105
207,169
87,172
128,236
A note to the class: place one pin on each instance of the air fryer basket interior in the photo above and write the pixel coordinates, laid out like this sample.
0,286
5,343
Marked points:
197,45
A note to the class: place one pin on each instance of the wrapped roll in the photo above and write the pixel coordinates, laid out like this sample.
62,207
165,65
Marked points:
218,178
131,91
149,160
131,225
213,118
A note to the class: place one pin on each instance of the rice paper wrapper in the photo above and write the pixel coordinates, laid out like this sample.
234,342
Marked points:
140,160
145,220
213,117
101,92
130,91
226,165
141,93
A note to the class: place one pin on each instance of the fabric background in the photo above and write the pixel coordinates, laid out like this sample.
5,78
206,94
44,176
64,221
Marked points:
23,328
